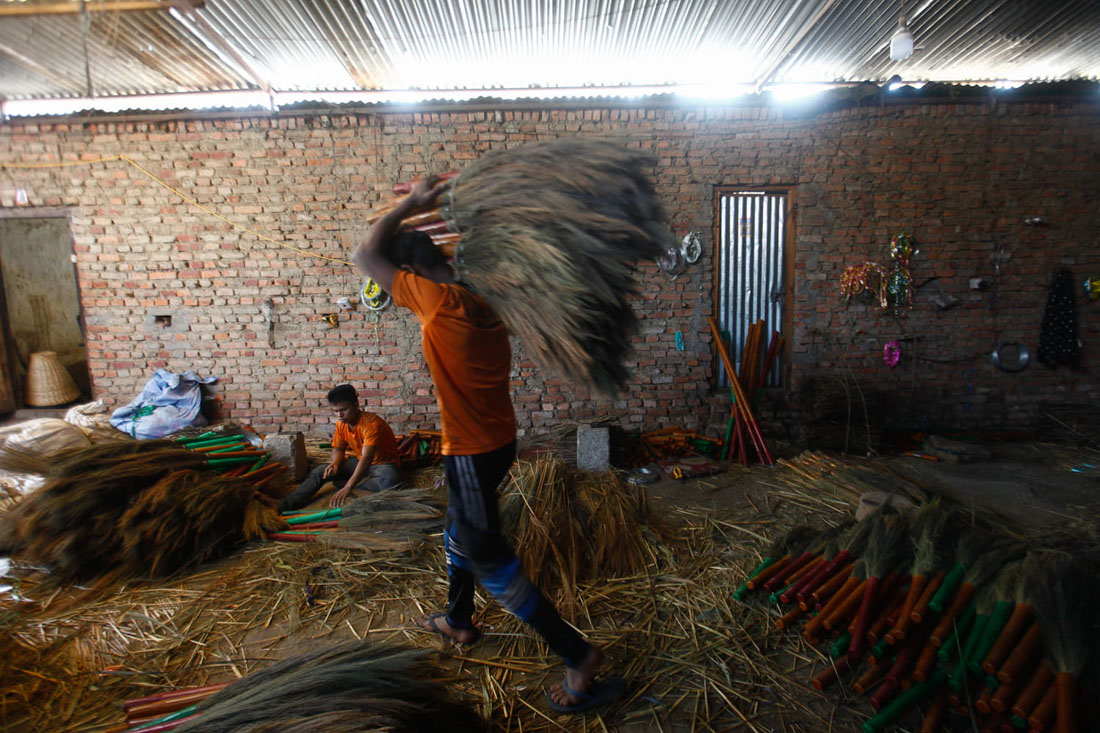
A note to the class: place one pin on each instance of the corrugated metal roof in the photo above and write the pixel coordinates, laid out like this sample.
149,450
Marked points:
308,45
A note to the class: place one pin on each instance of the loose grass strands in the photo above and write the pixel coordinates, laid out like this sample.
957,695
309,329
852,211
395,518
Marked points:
550,235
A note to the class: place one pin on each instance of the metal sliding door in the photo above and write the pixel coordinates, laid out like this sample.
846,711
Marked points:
752,229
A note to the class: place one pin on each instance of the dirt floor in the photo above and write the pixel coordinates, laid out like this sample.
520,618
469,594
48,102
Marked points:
694,658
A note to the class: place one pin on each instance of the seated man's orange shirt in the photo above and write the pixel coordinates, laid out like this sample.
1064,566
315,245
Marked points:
469,357
369,429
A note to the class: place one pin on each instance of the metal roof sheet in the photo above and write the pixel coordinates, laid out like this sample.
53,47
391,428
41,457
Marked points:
445,45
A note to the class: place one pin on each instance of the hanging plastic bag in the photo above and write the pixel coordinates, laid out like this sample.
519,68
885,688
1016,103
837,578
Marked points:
169,402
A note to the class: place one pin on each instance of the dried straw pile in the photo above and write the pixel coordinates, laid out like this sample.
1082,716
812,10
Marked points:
550,234
569,527
128,508
348,687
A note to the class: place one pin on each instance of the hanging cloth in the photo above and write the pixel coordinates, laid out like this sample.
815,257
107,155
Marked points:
1058,334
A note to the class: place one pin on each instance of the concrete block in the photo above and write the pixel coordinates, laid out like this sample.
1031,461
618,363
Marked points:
593,448
289,449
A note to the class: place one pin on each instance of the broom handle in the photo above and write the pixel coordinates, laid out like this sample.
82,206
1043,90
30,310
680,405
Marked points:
863,617
1044,712
780,577
899,705
958,676
1002,698
997,620
1017,625
806,575
765,574
1024,652
822,574
739,394
950,581
962,598
127,705
739,594
829,675
916,587
847,607
871,677
1033,691
818,622
789,618
920,610
933,719
822,595
1066,717
888,616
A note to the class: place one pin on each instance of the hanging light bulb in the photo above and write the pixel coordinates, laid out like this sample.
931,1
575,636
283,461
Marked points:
901,43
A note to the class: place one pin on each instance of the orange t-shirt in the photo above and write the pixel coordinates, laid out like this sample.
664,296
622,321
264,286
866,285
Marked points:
469,357
369,429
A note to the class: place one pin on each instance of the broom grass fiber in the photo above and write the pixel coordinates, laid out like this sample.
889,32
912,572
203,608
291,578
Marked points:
551,234
126,509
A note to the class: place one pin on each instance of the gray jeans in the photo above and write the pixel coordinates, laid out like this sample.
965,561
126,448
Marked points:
379,477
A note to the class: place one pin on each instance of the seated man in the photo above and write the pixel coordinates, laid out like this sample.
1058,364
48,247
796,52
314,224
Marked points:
373,462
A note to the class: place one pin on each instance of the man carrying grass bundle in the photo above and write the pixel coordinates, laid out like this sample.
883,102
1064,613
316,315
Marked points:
369,440
469,357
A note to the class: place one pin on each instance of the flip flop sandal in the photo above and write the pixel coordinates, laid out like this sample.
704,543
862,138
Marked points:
599,692
442,634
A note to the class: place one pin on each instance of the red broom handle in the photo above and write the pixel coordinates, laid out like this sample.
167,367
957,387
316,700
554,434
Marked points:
1066,717
821,575
943,628
1033,691
863,618
1016,665
1017,625
921,611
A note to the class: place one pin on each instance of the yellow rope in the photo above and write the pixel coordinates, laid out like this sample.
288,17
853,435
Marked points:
182,195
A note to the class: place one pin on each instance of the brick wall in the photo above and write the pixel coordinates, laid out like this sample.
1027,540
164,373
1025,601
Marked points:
961,178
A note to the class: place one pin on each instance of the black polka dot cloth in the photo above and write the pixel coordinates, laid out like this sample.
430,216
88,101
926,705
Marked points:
1058,333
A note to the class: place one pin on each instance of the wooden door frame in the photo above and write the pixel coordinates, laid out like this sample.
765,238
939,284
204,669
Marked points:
11,355
787,327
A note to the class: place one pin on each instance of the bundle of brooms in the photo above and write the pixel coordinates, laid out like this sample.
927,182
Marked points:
999,640
141,508
549,235
570,526
348,687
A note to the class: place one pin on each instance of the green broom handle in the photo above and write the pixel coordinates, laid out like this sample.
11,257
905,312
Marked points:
741,591
958,674
240,445
903,702
840,646
947,649
316,516
194,438
259,464
216,462
997,621
947,588
213,443
199,442
183,713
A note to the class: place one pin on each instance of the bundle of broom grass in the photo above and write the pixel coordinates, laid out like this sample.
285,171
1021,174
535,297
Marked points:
129,508
549,235
568,526
349,687
959,615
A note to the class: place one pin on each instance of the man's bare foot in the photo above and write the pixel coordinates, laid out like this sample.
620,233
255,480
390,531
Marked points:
437,624
578,678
